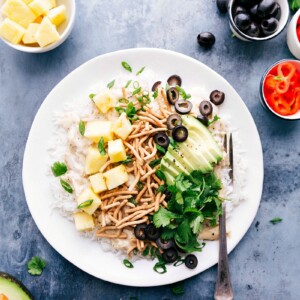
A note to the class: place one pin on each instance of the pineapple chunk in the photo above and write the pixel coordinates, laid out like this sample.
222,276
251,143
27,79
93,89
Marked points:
115,177
26,1
94,130
116,151
38,20
57,15
98,183
40,7
94,161
11,31
122,127
88,194
83,221
47,33
29,36
104,102
19,12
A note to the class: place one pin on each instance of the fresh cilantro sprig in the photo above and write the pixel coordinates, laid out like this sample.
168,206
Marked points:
59,168
294,4
130,111
215,119
36,265
183,93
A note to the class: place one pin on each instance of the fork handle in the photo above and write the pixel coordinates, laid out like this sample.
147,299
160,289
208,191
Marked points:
223,289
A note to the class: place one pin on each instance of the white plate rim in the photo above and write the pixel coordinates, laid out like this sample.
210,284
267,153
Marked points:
125,277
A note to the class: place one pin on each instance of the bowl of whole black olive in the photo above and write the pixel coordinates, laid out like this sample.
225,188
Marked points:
258,20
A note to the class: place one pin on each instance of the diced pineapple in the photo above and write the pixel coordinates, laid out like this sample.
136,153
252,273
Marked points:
47,33
83,221
115,177
104,102
40,7
94,130
94,161
26,1
98,183
29,36
116,151
39,19
57,15
19,12
11,31
86,195
122,127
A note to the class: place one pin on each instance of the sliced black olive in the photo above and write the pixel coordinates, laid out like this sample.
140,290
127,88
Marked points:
191,261
183,106
162,139
206,39
155,86
173,120
237,9
174,80
152,233
180,133
265,8
139,231
203,120
254,30
222,5
172,95
170,255
276,13
248,3
217,97
168,195
269,26
205,108
165,244
242,21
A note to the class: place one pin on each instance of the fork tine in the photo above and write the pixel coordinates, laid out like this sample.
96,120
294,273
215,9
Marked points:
225,142
231,157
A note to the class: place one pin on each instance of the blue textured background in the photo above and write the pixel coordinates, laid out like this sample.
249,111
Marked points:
266,264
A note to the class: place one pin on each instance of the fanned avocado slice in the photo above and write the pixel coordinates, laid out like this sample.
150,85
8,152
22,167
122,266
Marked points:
12,288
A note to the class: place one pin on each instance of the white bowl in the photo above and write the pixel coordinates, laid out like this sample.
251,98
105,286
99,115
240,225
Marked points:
285,11
64,29
292,39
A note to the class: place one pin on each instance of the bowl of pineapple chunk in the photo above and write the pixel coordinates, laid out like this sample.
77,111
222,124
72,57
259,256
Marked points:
36,26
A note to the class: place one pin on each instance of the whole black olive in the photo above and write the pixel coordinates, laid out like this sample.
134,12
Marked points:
217,97
155,86
237,9
152,233
162,139
174,80
139,231
265,8
269,26
203,120
172,95
183,106
180,133
222,5
206,39
242,21
170,255
173,120
205,108
191,261
276,13
254,30
165,244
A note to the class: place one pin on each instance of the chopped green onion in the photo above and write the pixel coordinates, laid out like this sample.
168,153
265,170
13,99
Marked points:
127,263
127,84
140,71
81,127
136,84
178,288
127,160
160,268
124,100
161,189
161,149
67,187
92,96
276,220
178,262
140,185
111,84
136,91
59,168
159,173
155,94
126,66
101,146
86,203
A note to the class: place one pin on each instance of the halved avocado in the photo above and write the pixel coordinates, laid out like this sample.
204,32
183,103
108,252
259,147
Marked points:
13,289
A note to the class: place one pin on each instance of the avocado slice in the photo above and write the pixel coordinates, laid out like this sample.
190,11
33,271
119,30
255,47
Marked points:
13,289
179,157
176,164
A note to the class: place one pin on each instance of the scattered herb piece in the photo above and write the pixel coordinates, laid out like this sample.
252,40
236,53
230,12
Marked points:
81,127
36,265
178,288
159,173
279,78
140,71
178,262
161,189
294,4
155,94
276,220
66,185
59,168
160,268
183,93
140,185
144,100
161,149
146,252
136,84
130,111
136,91
86,203
127,263
127,84
126,66
133,201
111,84
92,96
173,143
216,118
127,160
101,146
155,162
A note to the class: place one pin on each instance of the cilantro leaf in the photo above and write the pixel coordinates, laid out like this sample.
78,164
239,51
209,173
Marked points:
101,146
163,217
215,118
59,169
183,93
130,111
294,4
36,265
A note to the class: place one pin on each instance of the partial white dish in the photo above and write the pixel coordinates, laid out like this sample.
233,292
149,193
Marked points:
292,38
61,234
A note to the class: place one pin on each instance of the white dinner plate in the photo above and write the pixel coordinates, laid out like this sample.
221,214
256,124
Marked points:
61,233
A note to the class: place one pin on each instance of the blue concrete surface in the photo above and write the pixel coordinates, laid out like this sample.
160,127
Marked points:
266,264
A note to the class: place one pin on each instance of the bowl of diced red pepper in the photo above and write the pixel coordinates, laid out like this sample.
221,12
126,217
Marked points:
280,89
293,35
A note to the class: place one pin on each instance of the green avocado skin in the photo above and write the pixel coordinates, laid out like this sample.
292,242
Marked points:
13,289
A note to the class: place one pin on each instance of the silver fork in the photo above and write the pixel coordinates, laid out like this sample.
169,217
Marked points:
223,290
